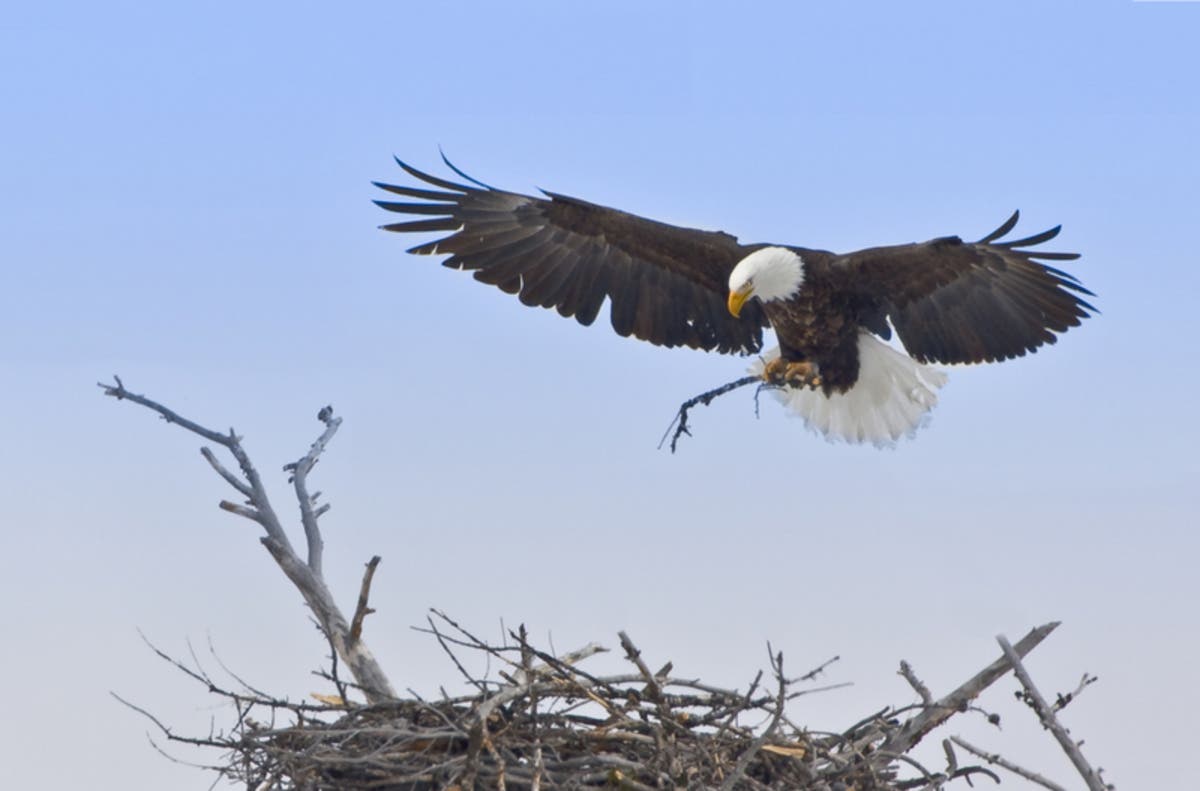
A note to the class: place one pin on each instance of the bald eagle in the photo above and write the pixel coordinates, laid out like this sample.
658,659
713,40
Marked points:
949,301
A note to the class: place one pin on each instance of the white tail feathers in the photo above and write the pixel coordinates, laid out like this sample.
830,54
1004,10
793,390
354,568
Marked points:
891,399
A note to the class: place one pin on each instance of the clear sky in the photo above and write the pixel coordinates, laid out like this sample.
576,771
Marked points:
186,202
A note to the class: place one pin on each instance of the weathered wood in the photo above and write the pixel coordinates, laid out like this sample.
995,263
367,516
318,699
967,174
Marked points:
305,575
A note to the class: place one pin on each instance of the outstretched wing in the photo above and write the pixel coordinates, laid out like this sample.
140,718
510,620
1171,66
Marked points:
667,285
957,302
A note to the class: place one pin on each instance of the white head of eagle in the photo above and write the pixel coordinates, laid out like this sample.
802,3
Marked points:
770,273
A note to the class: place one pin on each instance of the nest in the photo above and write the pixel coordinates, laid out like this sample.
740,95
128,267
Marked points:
547,723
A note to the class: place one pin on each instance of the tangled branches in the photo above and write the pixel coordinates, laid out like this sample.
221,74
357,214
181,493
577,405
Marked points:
547,723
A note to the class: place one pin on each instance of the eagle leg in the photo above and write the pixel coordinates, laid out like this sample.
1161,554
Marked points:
788,373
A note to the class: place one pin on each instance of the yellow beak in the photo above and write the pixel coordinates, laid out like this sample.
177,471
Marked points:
738,298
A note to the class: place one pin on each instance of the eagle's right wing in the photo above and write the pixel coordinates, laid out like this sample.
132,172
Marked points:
667,285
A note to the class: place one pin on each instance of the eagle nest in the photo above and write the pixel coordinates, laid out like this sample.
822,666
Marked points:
542,721
547,723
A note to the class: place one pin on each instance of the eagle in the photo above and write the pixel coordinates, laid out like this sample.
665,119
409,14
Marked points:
947,300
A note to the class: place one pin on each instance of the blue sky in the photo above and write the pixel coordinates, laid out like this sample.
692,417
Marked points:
187,204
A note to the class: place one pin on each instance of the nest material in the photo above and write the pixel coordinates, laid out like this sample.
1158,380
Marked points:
549,724
553,733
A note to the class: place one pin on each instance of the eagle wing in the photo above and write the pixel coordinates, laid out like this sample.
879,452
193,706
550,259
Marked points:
957,302
666,285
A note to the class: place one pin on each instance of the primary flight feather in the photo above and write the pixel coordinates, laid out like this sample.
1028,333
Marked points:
949,301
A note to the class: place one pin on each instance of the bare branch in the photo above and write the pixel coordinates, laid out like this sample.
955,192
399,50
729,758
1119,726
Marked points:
119,392
267,517
240,510
1001,761
364,593
229,477
916,683
739,768
911,732
635,655
306,576
299,470
1061,701
819,669
1050,721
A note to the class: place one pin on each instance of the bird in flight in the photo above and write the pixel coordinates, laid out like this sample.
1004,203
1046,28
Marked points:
949,301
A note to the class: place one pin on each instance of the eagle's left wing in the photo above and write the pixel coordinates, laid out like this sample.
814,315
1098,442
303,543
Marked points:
957,302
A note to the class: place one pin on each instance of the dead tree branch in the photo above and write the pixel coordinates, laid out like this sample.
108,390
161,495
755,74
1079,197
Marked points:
1050,721
362,610
919,686
1001,761
306,575
913,730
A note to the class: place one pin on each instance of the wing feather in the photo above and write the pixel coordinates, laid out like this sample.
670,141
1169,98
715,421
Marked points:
665,284
957,302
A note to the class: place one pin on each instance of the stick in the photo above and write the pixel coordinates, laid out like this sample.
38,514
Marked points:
1050,721
912,731
999,760
680,422
364,593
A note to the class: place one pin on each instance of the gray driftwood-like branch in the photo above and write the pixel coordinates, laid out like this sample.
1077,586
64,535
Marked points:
933,714
1046,714
1001,761
304,573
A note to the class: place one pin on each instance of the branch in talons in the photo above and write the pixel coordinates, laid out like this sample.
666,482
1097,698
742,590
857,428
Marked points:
680,422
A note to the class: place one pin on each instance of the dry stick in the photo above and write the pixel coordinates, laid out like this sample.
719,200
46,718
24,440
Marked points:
913,730
364,593
819,669
306,576
739,769
999,760
680,422
635,655
1046,715
300,470
916,683
1062,701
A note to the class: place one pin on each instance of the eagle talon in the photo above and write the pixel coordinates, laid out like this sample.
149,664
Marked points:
786,373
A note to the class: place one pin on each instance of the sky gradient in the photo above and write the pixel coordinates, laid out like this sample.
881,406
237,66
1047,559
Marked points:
187,204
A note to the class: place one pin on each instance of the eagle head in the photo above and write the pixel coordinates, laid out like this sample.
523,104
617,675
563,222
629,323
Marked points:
769,274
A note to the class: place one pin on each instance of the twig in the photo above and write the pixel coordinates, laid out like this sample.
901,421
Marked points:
680,421
1001,761
1050,721
633,654
442,641
739,768
916,683
1061,701
819,669
364,592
